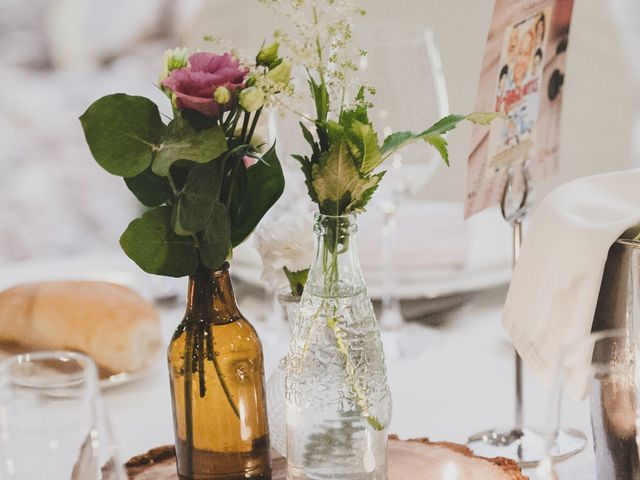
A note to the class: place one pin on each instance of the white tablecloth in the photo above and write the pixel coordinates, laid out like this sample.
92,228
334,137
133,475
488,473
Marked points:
461,384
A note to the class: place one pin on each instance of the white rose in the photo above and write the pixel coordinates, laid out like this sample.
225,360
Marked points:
285,241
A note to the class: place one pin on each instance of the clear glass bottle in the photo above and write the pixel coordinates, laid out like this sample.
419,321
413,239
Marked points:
276,398
217,386
338,399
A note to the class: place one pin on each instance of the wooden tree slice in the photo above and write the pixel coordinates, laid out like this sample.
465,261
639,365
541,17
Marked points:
417,459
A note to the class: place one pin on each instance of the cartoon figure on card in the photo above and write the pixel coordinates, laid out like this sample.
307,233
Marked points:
518,90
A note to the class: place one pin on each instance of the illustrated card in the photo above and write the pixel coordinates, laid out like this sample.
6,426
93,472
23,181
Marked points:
522,76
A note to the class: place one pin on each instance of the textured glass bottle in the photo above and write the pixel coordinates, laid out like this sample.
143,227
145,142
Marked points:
217,386
338,400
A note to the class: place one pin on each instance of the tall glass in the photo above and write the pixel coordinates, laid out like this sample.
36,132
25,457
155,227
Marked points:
598,377
403,63
52,420
628,14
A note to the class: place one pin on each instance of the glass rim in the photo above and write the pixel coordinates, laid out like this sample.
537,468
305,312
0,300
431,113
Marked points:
394,27
574,354
285,296
88,371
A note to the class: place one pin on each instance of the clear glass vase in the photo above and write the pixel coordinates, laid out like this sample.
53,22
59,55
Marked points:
276,398
338,399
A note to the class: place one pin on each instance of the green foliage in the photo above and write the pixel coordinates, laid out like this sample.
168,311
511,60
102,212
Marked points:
151,242
198,198
191,172
181,141
341,179
297,280
363,144
216,240
122,132
339,186
434,134
262,186
150,189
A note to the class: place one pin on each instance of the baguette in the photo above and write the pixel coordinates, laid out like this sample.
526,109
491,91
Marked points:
110,323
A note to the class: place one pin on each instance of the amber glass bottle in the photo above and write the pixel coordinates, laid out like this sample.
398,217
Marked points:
217,386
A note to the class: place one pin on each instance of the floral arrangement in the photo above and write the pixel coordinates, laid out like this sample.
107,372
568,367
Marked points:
204,175
342,170
343,166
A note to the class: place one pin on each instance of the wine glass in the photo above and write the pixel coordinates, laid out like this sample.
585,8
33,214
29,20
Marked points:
597,382
52,420
628,14
402,63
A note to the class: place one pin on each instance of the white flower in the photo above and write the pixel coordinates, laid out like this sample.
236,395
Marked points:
285,241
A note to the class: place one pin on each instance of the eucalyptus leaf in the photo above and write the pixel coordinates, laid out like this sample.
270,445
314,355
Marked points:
181,141
264,186
216,241
198,198
151,242
122,132
150,189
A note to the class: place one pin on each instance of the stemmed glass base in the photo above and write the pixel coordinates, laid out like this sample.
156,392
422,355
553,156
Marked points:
526,446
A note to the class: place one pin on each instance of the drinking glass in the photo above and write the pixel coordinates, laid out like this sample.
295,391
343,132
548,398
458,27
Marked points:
627,12
598,379
402,63
52,420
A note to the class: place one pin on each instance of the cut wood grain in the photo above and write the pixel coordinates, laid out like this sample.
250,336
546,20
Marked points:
416,459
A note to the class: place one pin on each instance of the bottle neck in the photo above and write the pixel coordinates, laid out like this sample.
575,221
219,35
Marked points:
211,296
336,265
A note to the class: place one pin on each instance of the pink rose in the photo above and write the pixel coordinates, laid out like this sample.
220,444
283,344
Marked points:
195,85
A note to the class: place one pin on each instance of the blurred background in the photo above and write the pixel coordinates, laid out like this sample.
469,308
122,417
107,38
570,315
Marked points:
58,56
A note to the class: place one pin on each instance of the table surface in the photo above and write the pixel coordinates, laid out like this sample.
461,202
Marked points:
461,383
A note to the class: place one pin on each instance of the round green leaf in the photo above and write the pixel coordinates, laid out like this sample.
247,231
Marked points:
264,185
216,241
181,141
151,243
198,198
122,132
150,189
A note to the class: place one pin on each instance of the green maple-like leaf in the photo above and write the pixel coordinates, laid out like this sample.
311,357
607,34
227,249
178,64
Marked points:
485,118
434,134
363,143
338,184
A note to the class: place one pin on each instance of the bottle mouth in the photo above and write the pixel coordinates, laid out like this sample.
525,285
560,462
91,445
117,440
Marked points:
223,269
343,224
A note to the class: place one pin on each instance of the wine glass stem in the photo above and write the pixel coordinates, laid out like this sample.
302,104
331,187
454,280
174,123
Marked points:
519,410
391,317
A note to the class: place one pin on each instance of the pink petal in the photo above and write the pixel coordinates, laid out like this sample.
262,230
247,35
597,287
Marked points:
249,161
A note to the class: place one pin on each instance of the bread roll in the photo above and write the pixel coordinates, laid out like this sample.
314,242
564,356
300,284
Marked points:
110,323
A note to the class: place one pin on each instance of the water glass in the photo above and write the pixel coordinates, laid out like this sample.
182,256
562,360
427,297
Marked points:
52,421
598,378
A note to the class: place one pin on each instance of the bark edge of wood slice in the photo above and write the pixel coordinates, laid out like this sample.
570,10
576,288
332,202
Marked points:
417,458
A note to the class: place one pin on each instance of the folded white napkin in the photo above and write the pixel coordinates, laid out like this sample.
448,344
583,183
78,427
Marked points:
555,285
